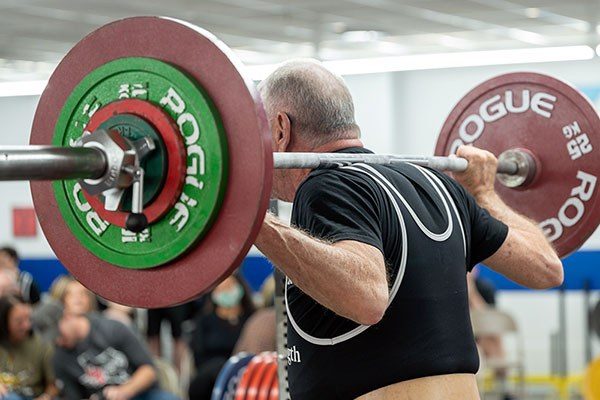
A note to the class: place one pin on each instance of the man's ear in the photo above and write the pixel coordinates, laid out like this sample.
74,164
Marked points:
282,132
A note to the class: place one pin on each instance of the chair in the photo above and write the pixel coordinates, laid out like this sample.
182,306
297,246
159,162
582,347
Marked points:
495,323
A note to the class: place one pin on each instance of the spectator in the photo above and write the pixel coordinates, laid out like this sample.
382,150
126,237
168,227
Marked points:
119,312
98,358
48,311
77,299
8,283
216,332
25,360
259,332
482,295
175,316
9,261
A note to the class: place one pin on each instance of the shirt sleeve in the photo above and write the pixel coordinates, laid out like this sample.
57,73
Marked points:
484,233
336,206
137,353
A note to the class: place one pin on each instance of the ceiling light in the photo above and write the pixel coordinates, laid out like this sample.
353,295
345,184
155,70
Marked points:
339,27
454,42
22,88
532,12
388,64
598,50
444,60
361,36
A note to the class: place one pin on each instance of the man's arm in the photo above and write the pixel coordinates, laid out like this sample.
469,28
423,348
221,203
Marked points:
526,256
139,357
348,277
141,380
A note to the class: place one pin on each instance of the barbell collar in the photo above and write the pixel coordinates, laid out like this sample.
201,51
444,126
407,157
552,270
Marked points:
34,163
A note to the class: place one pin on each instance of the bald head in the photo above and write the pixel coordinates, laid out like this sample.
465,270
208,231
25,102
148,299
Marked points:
317,102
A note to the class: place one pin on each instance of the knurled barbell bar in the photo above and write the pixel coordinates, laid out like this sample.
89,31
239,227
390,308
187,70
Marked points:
179,110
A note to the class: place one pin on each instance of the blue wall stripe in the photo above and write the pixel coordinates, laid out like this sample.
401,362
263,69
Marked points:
579,267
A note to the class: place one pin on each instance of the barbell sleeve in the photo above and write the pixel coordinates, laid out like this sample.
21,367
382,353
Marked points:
33,163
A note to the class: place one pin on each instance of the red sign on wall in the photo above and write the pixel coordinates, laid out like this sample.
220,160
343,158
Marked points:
24,222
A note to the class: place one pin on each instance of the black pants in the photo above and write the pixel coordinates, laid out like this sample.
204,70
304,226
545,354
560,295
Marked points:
202,385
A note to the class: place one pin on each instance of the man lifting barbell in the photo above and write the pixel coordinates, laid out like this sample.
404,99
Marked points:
377,255
162,160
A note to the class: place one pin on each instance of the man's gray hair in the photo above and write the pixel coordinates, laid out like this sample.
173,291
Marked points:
317,101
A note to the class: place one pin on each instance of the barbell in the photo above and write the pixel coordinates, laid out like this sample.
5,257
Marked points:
151,164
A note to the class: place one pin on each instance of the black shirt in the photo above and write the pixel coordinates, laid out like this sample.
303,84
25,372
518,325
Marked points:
430,231
214,337
109,355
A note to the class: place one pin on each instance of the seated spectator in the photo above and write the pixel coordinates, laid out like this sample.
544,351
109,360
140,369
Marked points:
119,312
25,360
482,295
48,311
9,261
217,329
176,316
98,358
259,332
8,283
77,299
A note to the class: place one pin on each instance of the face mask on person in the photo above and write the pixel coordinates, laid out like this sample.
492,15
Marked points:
228,298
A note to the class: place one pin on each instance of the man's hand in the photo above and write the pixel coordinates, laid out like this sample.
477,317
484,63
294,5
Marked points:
526,256
480,175
116,393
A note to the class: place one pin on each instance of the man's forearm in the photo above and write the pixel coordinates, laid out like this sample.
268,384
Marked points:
141,380
334,276
529,259
498,209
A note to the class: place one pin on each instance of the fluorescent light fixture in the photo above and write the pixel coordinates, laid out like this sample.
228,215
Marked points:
389,64
527,36
22,88
532,12
444,60
361,36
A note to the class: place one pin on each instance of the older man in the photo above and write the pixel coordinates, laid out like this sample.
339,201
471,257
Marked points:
377,255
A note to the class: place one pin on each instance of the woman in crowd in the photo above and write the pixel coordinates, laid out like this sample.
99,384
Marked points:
25,360
77,299
216,332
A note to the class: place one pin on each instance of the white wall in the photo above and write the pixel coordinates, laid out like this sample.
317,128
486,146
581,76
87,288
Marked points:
16,114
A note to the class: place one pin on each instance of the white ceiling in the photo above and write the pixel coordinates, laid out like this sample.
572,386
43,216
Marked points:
35,34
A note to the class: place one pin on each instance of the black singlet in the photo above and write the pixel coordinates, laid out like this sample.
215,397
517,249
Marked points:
430,231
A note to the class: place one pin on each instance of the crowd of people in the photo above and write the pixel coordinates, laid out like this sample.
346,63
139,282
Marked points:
69,344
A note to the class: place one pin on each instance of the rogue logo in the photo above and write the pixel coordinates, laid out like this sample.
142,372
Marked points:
553,227
497,107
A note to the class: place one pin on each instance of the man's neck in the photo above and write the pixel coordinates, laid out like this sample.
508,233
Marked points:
338,145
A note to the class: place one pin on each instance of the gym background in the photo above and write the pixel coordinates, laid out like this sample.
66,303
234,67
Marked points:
429,54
